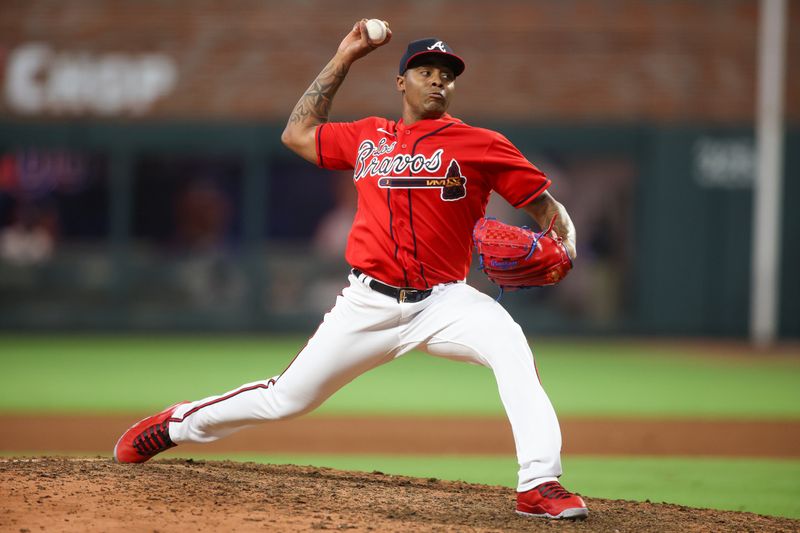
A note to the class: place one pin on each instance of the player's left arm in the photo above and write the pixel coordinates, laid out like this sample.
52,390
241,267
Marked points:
543,208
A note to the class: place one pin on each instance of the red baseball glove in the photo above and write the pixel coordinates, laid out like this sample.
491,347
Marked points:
516,257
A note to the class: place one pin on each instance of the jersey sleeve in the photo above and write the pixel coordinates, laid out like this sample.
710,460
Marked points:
337,144
513,177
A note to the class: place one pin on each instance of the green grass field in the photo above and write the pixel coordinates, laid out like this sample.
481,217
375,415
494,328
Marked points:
113,374
94,374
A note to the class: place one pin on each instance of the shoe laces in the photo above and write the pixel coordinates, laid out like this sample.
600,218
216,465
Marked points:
553,490
153,440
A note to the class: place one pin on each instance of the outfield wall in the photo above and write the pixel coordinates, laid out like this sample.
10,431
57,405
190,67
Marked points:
217,226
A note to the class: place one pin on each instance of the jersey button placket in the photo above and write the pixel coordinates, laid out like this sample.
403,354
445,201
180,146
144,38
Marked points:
400,212
396,220
413,266
401,137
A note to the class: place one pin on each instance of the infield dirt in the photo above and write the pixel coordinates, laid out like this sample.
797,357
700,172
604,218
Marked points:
88,434
80,494
69,494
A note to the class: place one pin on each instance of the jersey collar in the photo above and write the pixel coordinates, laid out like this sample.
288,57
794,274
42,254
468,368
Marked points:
426,124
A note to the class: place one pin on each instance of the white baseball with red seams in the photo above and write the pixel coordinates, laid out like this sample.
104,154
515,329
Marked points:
376,30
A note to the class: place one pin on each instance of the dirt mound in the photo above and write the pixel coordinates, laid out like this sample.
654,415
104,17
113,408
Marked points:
70,494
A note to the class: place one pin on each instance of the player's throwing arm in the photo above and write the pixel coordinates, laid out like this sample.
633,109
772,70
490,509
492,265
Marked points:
314,106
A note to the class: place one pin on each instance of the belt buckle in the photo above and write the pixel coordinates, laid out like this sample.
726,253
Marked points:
401,298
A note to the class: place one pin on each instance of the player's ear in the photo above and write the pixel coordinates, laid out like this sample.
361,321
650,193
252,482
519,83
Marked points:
401,83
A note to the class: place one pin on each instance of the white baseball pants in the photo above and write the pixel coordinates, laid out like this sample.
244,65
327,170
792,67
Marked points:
366,329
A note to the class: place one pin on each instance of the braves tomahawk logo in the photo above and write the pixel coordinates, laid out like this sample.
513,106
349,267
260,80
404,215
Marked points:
439,45
452,184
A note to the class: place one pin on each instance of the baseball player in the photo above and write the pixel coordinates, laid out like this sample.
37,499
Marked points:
422,181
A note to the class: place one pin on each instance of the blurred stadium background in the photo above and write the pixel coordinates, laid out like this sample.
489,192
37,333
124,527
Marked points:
143,186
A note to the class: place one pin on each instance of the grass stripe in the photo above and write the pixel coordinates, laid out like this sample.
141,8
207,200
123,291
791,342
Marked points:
138,374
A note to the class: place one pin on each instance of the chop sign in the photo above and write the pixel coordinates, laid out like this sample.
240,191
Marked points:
40,80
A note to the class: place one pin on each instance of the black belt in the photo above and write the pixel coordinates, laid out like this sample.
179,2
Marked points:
400,294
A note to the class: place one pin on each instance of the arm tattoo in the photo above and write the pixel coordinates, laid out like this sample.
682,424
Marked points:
313,107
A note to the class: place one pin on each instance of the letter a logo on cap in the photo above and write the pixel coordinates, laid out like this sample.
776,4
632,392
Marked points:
439,45
427,47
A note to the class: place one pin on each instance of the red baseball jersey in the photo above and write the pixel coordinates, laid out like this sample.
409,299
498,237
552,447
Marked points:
421,188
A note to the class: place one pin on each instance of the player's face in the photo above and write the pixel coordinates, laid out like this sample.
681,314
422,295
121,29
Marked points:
427,88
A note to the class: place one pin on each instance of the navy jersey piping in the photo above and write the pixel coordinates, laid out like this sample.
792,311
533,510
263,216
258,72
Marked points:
319,144
534,193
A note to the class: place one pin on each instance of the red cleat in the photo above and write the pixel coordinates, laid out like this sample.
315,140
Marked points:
146,438
551,500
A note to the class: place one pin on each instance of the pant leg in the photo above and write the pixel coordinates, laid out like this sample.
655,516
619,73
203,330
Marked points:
358,334
465,324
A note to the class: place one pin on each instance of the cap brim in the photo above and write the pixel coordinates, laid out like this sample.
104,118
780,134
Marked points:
456,62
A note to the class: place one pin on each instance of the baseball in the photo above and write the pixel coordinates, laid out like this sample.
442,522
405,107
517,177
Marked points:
376,30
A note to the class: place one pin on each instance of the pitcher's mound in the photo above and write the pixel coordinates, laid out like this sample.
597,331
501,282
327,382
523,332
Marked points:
79,494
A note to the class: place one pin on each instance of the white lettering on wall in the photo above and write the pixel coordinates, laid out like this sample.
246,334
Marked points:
724,163
41,80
